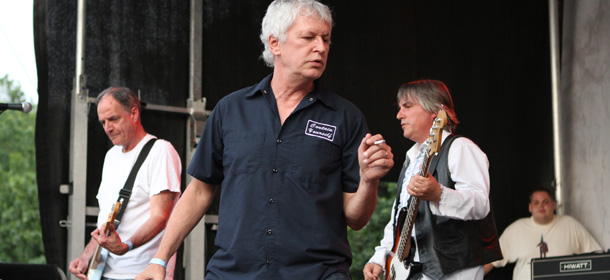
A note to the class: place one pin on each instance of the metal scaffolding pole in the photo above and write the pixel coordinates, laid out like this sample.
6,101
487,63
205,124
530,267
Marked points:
195,245
555,82
78,146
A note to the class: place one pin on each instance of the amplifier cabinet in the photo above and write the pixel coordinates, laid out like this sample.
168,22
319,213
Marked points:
594,266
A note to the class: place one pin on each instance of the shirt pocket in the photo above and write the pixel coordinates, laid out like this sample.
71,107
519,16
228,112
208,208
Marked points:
243,151
315,159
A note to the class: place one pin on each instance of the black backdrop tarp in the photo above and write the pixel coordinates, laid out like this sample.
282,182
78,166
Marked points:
493,56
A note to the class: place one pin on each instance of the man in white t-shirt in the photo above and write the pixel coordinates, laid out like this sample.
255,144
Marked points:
154,193
542,235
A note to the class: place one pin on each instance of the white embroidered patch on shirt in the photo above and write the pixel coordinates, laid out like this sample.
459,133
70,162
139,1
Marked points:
321,130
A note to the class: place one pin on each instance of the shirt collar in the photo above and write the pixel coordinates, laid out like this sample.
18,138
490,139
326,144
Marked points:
319,93
261,87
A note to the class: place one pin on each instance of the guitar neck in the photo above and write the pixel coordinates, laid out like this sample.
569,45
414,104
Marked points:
404,245
95,260
96,264
425,164
107,227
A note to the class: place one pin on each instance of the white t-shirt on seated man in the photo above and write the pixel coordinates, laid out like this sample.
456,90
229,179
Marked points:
522,240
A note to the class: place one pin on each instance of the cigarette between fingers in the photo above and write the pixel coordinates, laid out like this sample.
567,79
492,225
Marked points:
379,142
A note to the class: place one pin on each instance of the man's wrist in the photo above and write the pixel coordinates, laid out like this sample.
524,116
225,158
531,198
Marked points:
159,262
129,244
440,195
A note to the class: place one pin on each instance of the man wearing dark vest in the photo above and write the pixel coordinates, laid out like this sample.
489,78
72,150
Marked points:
454,233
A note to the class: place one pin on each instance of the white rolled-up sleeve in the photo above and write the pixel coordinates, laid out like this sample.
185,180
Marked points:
469,169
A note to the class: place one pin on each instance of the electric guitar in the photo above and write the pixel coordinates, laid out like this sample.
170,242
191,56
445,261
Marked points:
399,263
98,262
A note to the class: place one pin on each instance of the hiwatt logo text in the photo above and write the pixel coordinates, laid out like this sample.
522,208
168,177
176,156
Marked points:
581,265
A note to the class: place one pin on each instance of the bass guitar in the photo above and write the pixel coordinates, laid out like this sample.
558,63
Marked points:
400,263
98,262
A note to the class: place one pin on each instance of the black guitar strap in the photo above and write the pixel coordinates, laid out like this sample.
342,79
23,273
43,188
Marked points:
125,192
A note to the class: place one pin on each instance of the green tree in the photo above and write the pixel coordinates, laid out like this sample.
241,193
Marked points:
20,231
363,242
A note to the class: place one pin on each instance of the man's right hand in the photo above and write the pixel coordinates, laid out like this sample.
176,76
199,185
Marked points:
78,267
152,272
372,271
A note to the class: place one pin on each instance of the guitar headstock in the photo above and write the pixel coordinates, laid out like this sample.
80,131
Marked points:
436,132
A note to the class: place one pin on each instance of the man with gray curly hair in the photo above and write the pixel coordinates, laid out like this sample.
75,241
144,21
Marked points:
295,163
280,17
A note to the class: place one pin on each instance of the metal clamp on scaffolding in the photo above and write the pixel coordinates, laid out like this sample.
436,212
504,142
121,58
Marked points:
197,120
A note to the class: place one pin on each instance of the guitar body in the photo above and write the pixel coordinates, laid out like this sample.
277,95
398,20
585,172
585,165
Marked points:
399,270
406,269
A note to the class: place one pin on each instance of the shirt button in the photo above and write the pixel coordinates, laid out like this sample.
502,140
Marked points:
311,99
274,170
278,141
268,261
271,200
269,232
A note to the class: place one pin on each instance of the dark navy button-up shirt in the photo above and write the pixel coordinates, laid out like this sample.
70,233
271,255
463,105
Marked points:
281,204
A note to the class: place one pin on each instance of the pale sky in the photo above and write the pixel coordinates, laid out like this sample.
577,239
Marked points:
17,58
